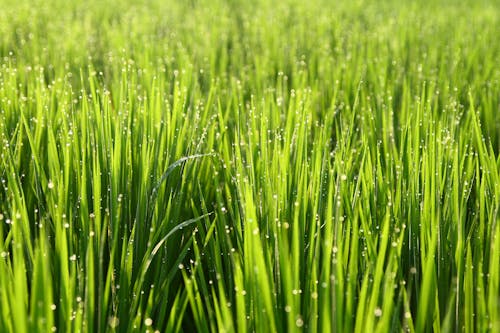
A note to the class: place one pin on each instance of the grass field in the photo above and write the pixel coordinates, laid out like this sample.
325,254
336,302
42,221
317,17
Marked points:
249,166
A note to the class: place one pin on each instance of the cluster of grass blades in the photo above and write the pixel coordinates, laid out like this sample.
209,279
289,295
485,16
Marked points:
234,166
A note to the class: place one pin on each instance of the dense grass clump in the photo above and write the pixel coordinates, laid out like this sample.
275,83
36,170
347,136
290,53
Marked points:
249,166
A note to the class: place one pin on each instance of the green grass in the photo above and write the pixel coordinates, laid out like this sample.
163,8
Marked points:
249,166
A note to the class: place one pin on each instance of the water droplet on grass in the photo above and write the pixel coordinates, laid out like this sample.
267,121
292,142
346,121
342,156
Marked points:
113,321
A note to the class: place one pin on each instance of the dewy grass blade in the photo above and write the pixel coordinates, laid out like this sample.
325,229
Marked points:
170,169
